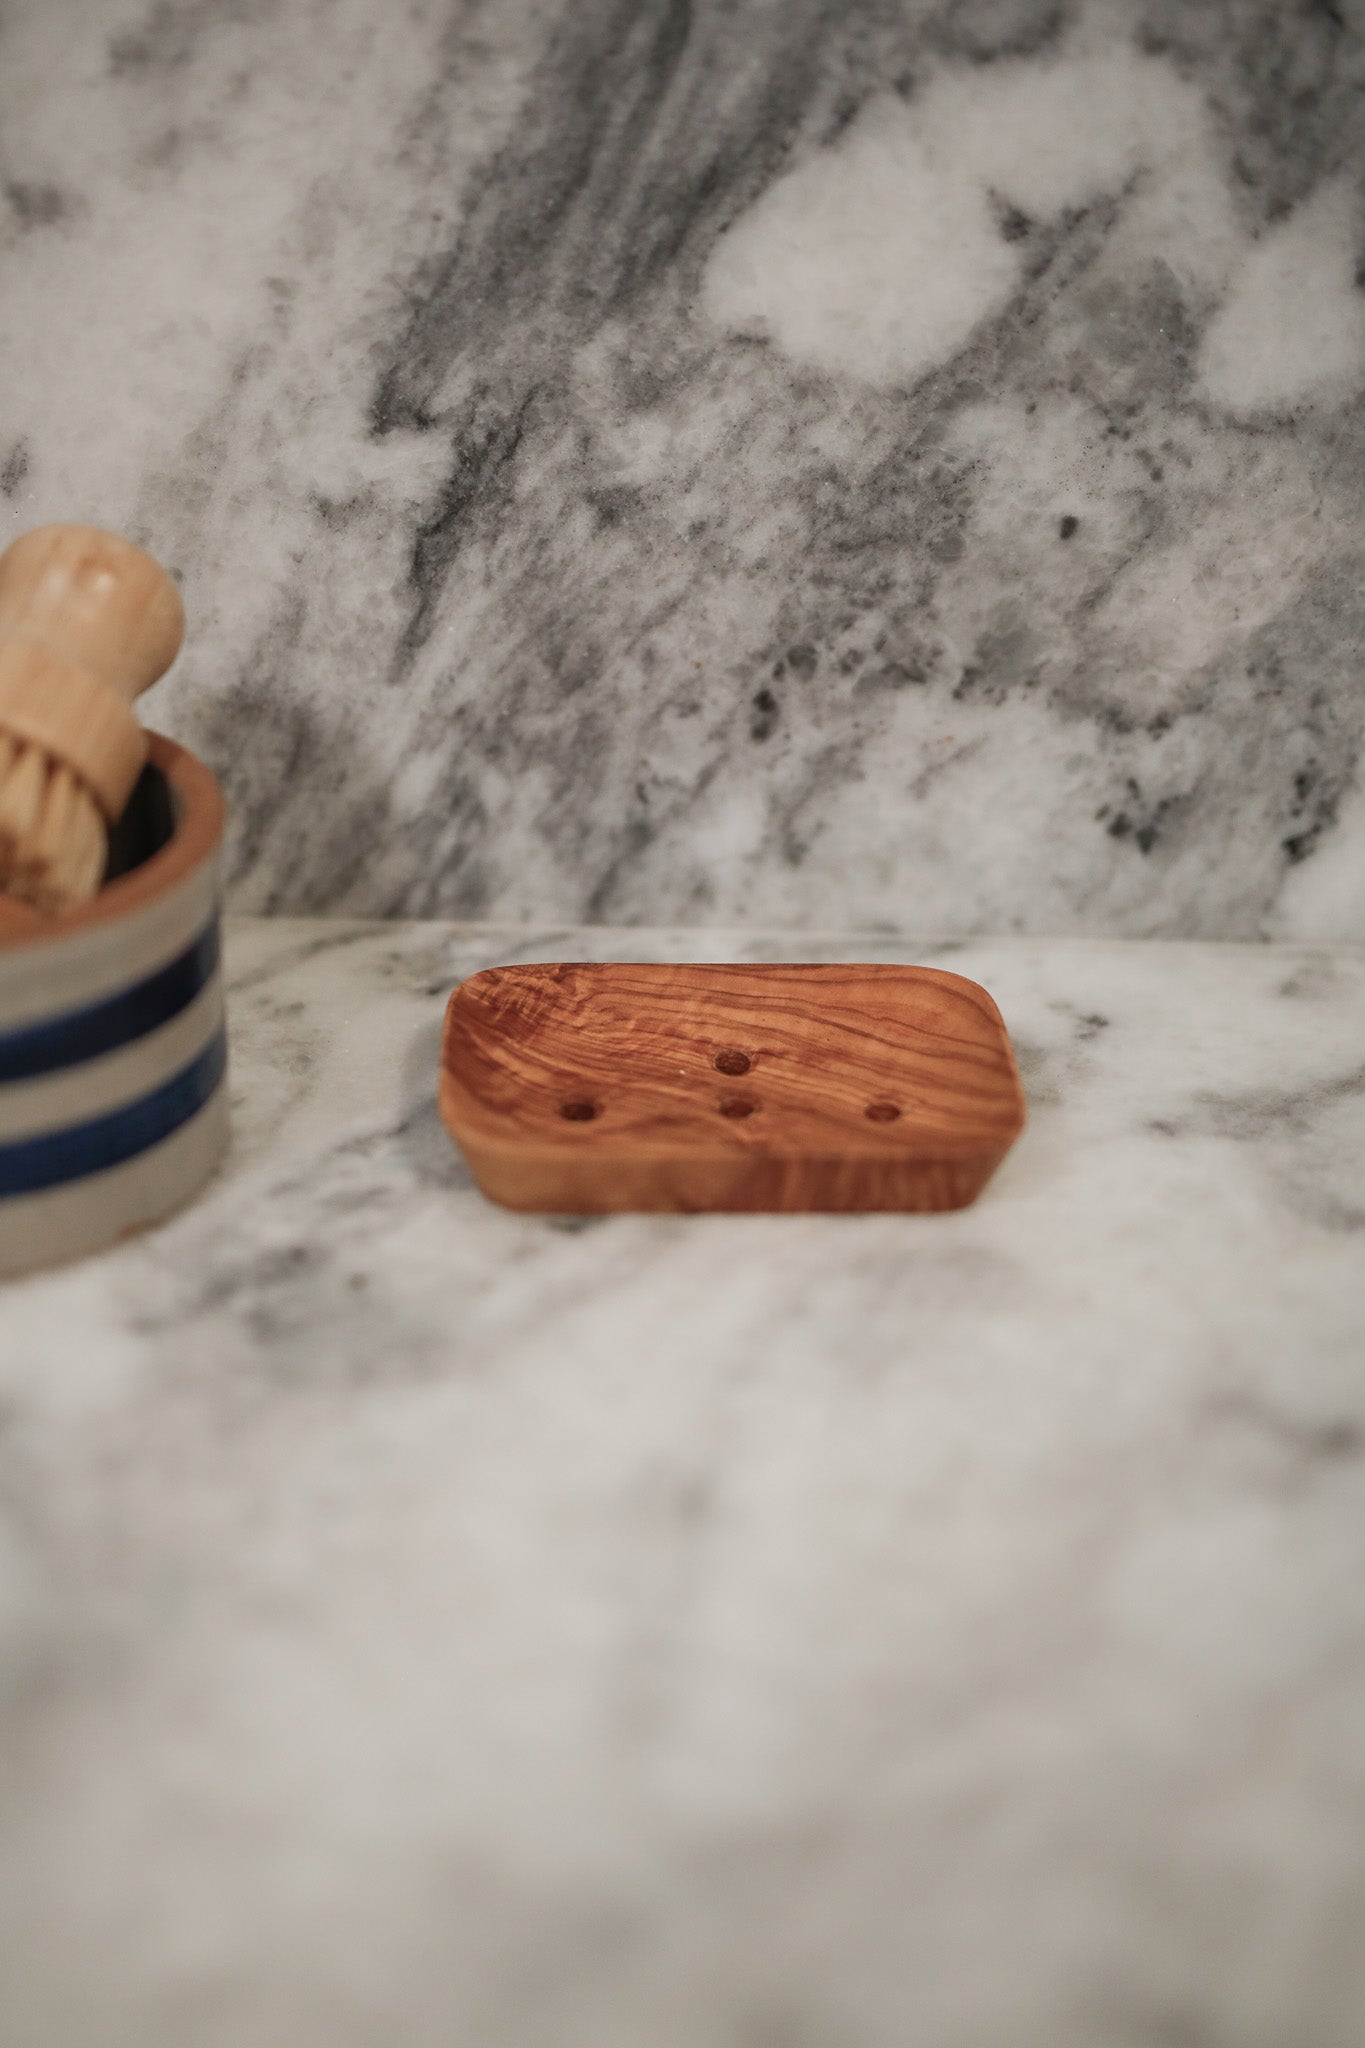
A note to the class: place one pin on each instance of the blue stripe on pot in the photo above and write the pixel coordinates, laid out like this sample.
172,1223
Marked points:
104,1141
102,1027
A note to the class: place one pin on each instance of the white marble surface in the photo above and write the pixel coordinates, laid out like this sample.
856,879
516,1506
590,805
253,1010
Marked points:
754,461
421,1624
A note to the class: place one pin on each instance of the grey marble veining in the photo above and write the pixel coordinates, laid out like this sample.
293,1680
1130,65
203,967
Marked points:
424,1624
779,462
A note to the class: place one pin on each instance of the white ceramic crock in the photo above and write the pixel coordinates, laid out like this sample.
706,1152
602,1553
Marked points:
113,1104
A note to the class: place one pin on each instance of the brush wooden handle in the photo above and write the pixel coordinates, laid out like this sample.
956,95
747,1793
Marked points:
87,621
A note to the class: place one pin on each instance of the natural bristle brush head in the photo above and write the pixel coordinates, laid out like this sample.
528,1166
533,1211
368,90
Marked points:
87,621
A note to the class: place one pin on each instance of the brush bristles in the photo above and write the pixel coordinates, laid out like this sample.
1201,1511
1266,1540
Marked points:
52,837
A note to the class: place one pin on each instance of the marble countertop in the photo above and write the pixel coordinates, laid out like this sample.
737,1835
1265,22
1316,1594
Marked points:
421,1623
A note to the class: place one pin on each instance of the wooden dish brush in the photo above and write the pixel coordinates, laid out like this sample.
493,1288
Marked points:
87,621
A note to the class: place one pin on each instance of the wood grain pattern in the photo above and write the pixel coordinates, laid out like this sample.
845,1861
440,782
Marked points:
584,1088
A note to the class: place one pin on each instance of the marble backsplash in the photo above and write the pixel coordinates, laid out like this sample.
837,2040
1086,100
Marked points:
809,463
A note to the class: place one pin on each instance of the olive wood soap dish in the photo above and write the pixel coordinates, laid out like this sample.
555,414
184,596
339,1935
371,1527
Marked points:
580,1088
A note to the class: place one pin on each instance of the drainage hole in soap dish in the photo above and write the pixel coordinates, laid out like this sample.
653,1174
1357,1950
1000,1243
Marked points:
732,1061
579,1111
737,1105
881,1112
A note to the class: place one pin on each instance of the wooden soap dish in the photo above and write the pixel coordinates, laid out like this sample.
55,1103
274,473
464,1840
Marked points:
579,1088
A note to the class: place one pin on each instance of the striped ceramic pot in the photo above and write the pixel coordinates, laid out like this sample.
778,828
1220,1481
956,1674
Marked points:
113,1104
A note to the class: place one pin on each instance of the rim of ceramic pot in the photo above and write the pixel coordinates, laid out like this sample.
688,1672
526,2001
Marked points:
199,812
